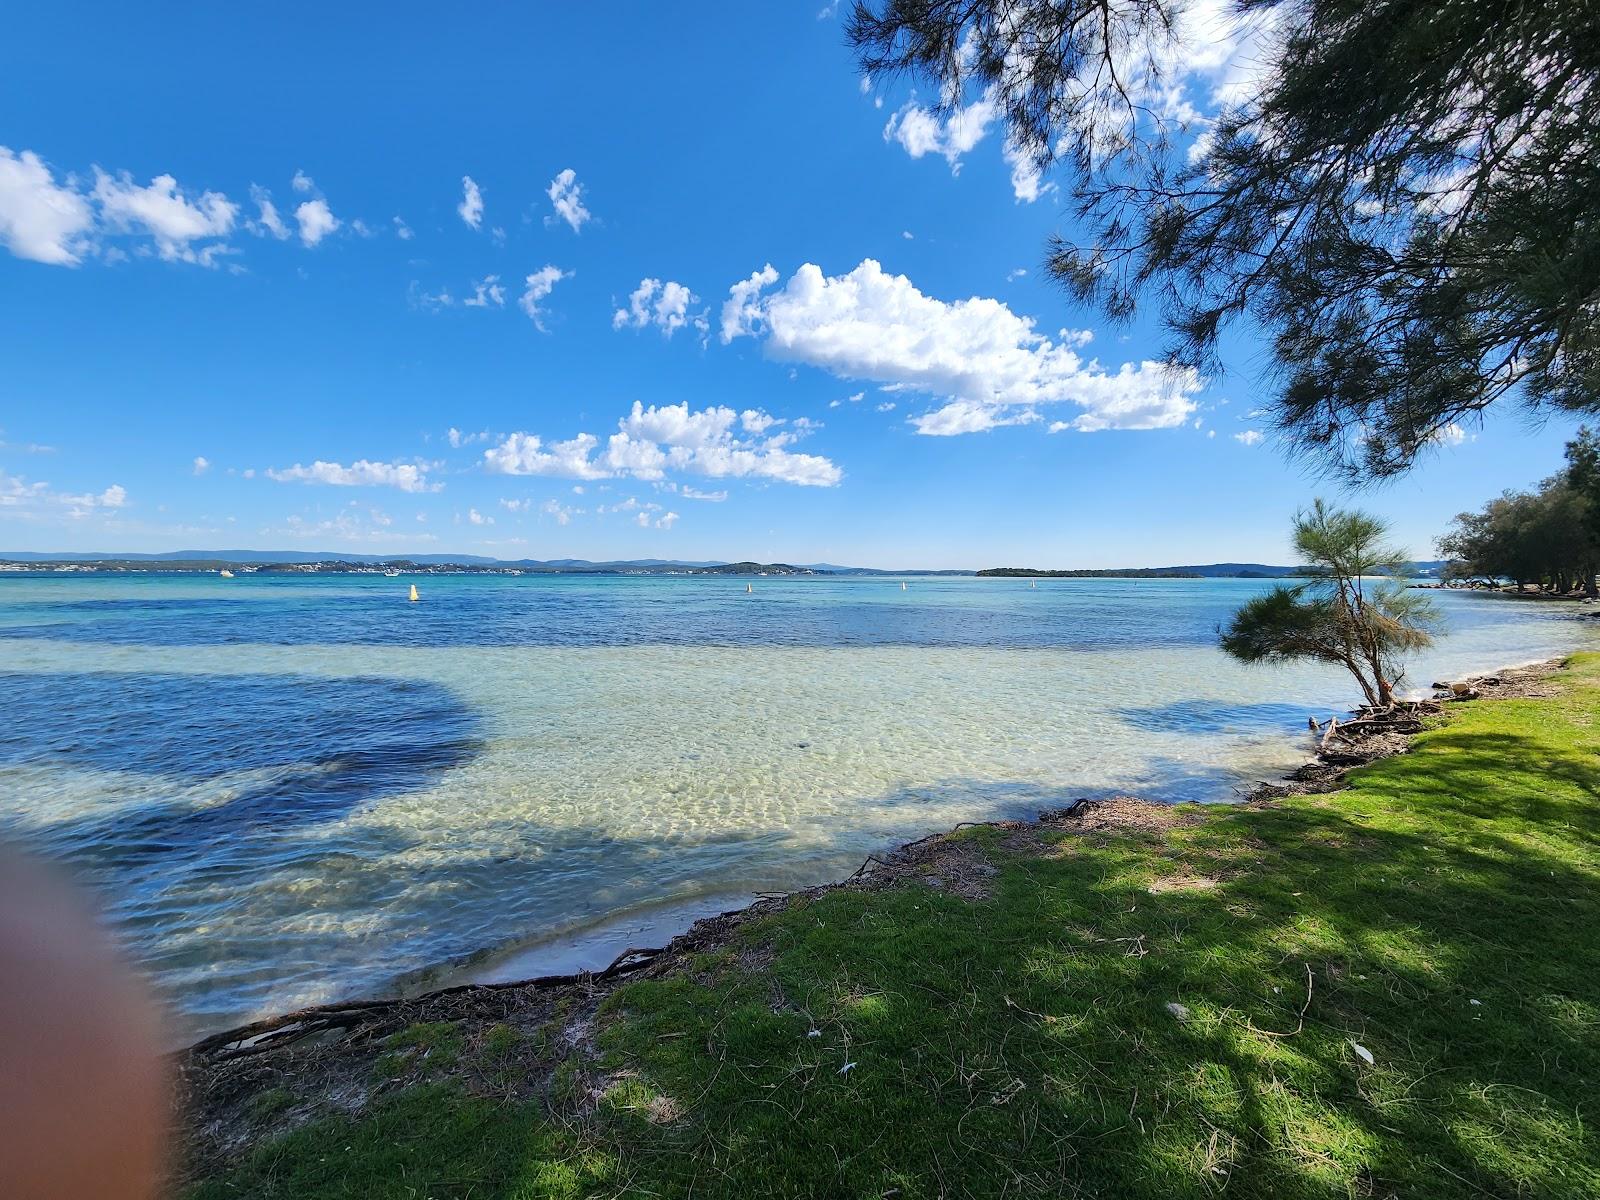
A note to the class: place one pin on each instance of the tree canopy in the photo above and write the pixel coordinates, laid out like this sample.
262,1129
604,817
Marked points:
1351,610
1404,194
1550,536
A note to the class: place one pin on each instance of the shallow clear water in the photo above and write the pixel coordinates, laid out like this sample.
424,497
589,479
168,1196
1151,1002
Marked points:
289,790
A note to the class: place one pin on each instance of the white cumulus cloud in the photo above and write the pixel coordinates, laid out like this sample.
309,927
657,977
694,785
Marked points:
664,305
39,219
921,131
742,309
986,364
201,464
1248,438
175,219
649,442
316,221
566,197
529,454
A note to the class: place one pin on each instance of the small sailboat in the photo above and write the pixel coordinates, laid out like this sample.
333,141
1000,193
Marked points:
749,589
225,573
414,597
902,585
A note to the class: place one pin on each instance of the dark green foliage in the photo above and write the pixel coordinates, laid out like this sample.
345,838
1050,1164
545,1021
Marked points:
1583,477
1284,625
1346,612
1550,536
1408,202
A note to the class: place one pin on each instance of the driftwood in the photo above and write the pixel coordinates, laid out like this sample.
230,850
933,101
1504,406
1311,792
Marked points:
1403,717
272,1032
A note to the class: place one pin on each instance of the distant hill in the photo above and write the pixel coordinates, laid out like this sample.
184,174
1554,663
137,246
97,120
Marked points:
296,562
1087,573
331,556
836,569
243,556
1205,571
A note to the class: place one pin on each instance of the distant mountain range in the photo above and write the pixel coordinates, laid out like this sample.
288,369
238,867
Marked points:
346,556
333,559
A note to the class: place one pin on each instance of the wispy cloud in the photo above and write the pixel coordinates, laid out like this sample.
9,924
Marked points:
408,477
471,207
21,498
538,287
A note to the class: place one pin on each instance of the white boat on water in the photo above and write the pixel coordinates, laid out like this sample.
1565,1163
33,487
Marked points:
225,573
391,573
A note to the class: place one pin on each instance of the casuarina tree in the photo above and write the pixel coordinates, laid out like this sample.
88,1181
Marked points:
1351,608
1402,195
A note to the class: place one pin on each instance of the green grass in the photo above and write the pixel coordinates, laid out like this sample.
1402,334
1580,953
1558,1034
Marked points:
433,1046
1022,1045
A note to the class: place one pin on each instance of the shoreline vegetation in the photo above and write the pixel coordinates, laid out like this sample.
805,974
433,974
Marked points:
1379,977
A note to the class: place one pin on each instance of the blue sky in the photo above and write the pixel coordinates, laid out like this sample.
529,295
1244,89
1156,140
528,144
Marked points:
187,367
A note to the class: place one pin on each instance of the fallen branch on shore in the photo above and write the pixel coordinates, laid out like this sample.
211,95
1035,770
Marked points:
1373,732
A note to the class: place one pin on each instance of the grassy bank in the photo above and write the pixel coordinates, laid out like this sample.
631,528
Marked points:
1181,1003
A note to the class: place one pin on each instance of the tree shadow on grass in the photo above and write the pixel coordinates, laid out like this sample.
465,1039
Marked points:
913,1043
1025,1044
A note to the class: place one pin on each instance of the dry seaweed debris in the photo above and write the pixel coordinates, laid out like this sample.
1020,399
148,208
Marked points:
1379,733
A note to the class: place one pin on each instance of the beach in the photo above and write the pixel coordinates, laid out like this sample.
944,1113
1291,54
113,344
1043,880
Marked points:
1120,995
297,791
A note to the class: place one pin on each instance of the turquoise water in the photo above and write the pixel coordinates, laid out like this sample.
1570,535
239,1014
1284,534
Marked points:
289,790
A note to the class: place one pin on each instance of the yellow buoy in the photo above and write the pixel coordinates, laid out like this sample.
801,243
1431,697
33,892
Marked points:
414,596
